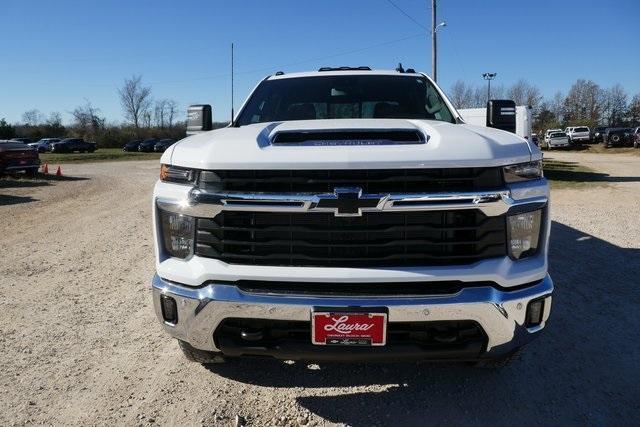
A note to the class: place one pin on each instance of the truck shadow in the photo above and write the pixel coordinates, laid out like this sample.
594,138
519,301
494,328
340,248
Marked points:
582,369
40,180
15,200
556,170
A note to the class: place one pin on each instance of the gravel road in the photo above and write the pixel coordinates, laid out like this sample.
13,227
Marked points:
81,345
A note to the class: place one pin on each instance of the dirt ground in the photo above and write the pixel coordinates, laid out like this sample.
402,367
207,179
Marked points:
81,345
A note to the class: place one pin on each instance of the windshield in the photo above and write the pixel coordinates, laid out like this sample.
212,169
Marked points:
558,135
581,130
345,97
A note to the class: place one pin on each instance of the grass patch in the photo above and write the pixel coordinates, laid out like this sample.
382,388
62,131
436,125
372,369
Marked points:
563,174
100,155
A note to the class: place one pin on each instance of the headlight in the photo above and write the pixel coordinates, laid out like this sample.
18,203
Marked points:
177,174
523,171
177,233
524,233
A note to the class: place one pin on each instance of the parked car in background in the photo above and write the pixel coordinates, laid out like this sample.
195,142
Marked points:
636,137
557,140
617,137
70,145
44,144
148,145
163,144
22,140
578,134
598,132
131,146
549,132
15,156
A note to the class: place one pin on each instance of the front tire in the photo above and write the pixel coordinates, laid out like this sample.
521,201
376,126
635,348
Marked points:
200,356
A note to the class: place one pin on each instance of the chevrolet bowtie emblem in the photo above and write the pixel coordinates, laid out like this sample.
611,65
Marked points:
348,201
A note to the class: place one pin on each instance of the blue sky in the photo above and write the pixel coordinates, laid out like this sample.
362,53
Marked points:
57,53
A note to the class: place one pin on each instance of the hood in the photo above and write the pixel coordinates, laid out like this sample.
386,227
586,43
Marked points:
15,146
445,145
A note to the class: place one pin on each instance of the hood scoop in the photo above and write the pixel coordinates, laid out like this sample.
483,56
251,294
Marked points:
348,137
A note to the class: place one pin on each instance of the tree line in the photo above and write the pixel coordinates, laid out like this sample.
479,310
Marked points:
586,103
145,118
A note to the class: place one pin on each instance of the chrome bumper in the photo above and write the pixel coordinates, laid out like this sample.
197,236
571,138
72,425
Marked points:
501,313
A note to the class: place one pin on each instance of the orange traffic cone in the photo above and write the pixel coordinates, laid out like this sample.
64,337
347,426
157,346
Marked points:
59,172
45,170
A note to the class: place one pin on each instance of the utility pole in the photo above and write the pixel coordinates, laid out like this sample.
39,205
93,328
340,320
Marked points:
232,83
488,77
434,43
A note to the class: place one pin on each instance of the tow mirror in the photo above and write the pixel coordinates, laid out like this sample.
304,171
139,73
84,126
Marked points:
199,119
501,114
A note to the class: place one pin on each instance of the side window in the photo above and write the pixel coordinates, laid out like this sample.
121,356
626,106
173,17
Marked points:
434,105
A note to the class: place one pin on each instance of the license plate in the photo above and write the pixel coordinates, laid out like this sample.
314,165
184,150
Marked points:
23,162
348,329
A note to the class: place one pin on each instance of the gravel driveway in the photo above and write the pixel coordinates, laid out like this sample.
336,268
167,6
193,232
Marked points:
81,345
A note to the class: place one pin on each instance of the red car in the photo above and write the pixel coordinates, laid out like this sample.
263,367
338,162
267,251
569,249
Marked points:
18,157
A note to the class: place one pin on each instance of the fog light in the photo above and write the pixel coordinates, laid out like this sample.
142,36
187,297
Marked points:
524,233
177,233
169,309
535,310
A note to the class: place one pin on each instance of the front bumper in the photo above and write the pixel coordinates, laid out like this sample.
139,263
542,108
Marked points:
500,313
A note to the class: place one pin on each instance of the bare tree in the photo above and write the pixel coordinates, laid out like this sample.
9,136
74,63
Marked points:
159,112
146,119
32,117
582,106
557,106
172,111
524,93
615,105
87,118
135,100
55,119
634,110
479,98
461,95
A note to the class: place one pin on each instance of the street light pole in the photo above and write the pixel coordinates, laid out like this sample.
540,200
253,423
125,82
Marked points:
434,44
488,77
434,41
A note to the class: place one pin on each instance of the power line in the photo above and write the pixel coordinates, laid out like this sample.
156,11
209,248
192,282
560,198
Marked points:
292,64
407,15
262,69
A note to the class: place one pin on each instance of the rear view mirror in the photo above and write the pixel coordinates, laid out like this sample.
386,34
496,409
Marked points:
199,119
501,114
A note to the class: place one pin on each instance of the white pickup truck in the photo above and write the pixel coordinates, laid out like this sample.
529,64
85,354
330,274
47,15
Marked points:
578,134
350,214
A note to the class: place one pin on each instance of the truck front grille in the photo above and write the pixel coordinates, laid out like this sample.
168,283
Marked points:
418,238
371,181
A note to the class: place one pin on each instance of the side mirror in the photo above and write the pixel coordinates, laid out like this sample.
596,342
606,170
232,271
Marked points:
501,114
199,119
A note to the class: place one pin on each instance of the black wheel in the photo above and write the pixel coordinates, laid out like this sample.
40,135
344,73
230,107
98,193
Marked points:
200,356
615,138
31,173
499,362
